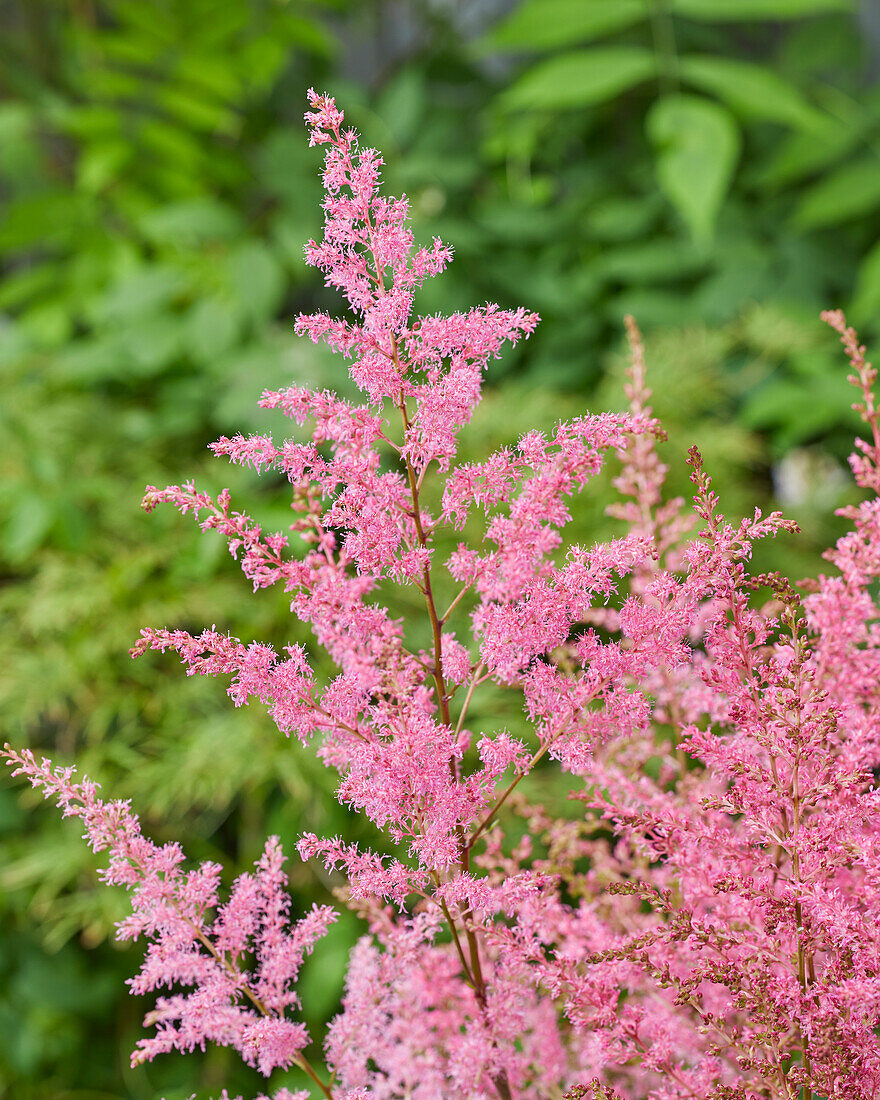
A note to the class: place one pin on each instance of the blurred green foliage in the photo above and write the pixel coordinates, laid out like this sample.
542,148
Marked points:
711,166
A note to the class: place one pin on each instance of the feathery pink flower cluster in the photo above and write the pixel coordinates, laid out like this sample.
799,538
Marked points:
195,941
708,926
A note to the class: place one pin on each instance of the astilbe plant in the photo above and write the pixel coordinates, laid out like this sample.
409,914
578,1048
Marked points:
708,925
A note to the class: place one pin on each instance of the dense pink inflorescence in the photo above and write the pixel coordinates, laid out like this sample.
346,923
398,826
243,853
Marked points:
706,927
195,941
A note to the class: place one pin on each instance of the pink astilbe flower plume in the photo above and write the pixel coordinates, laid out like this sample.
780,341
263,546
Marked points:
238,960
700,920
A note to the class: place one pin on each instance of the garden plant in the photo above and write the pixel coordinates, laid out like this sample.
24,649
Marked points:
698,918
155,193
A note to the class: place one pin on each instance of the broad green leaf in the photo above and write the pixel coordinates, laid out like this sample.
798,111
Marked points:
751,90
849,191
581,78
696,145
743,10
820,362
546,24
323,979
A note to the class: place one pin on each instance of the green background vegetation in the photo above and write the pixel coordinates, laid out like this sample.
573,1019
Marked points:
711,166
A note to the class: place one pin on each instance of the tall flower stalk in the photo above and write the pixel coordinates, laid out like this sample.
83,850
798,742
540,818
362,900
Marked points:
707,927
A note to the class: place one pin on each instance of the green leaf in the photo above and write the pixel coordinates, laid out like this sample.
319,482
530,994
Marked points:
144,291
653,307
849,191
620,217
148,344
803,154
47,323
88,122
251,368
211,328
263,59
100,164
402,104
743,10
517,223
309,34
581,78
210,74
198,112
86,361
190,222
696,145
172,143
822,46
753,91
27,283
865,307
798,410
257,280
43,220
546,24
776,332
650,262
20,156
28,523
